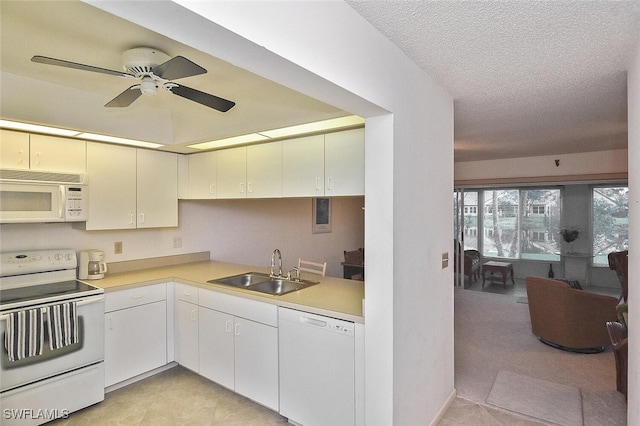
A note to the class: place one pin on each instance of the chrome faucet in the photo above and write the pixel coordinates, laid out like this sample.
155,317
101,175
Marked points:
273,263
297,271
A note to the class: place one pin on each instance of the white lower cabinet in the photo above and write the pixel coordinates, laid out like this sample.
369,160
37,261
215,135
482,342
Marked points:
135,332
186,335
237,352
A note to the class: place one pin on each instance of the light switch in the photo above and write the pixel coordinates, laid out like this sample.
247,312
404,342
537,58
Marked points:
445,260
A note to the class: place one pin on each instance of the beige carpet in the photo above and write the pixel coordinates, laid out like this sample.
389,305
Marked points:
493,333
541,399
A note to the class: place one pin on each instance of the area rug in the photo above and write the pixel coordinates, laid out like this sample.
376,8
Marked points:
541,399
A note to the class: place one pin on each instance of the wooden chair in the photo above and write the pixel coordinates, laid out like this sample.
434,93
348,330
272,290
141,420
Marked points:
619,262
619,343
312,267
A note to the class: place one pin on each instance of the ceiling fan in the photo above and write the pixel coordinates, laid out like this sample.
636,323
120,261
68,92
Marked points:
154,69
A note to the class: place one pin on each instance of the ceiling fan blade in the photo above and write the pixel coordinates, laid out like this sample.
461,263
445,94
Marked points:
126,98
178,67
205,99
74,65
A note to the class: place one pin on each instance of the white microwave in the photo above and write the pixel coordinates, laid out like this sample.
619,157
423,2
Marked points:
54,197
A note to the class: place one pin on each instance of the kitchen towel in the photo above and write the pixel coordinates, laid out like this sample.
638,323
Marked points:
63,325
25,334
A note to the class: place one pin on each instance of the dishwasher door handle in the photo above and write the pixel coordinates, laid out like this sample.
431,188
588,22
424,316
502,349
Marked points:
313,321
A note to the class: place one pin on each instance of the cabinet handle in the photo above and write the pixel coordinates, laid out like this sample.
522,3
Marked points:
20,157
237,329
140,296
250,187
193,315
37,158
242,188
227,326
110,324
212,189
141,217
130,218
329,184
317,184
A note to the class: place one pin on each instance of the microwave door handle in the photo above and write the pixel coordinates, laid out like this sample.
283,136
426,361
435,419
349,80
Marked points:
61,202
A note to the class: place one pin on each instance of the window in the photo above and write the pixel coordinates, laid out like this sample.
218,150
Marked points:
610,213
521,223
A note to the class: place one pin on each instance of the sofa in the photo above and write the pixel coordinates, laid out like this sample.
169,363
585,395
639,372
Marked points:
568,318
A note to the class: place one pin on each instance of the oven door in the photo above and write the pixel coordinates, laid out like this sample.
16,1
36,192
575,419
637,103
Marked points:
89,349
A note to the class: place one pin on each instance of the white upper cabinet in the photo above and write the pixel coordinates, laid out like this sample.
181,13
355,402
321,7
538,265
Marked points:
303,167
112,186
264,170
157,189
202,175
232,173
131,188
14,150
344,163
22,151
52,154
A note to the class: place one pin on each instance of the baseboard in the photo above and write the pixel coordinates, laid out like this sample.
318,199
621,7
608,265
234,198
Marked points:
452,397
140,377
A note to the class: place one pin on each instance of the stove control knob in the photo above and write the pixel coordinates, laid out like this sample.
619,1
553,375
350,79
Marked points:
57,256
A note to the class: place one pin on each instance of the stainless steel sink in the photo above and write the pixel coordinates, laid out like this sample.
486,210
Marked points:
263,283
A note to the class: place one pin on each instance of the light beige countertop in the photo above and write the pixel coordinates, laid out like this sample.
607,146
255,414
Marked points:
334,297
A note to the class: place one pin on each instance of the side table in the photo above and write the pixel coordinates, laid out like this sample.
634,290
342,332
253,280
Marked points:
503,267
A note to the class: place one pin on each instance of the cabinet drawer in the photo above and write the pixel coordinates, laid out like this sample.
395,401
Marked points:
186,292
135,297
240,307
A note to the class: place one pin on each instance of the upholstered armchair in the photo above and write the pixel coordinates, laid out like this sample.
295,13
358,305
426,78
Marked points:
567,318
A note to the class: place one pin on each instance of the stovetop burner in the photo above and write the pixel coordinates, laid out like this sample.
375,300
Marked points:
39,277
45,293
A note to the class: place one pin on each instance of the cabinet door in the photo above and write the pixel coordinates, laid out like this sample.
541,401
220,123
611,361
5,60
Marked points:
186,335
157,186
344,163
256,362
14,150
303,167
216,352
112,186
264,170
202,175
135,341
232,173
53,154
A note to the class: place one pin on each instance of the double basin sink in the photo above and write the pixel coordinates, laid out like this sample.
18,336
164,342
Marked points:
263,283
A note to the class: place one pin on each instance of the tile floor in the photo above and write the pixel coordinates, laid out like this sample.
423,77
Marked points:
179,396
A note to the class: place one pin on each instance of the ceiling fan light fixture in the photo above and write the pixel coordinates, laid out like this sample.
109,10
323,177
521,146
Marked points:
148,87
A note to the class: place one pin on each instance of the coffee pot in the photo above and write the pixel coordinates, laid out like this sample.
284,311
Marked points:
91,265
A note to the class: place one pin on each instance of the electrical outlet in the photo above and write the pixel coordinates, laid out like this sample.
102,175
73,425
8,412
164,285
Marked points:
117,247
177,242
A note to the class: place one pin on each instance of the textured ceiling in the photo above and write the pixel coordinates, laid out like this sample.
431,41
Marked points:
528,77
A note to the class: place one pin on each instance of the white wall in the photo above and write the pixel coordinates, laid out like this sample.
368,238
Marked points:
239,231
633,104
587,163
326,50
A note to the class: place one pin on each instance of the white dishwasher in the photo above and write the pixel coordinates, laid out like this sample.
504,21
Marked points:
317,369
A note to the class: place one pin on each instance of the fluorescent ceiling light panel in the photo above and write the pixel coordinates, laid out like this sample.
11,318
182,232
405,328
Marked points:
121,141
318,126
236,140
36,128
